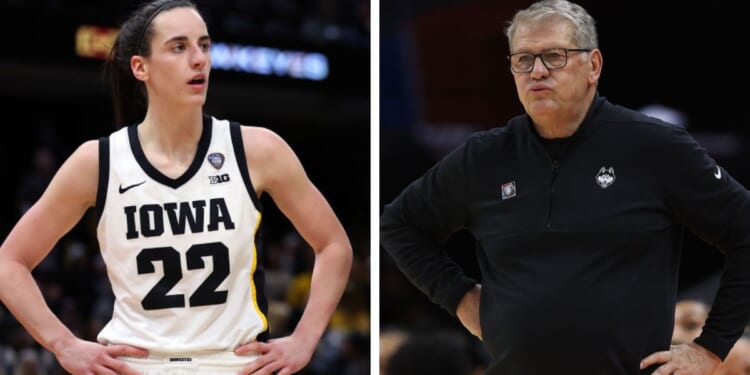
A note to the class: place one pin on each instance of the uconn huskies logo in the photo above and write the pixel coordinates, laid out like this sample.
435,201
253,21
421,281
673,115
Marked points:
606,177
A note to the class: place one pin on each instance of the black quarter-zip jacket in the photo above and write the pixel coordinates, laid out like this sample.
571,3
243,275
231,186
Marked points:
578,240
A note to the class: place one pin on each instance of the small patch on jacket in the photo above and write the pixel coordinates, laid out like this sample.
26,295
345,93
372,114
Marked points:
508,190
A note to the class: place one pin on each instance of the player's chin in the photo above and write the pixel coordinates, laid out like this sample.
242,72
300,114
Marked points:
196,99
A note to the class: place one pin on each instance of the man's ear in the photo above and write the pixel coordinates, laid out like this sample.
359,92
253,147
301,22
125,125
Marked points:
596,65
139,68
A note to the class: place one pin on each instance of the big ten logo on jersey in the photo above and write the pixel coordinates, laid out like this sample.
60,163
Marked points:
218,178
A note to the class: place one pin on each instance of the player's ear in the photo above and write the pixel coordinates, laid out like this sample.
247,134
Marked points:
139,67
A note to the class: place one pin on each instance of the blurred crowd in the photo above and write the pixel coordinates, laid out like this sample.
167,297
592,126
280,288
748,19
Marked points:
330,22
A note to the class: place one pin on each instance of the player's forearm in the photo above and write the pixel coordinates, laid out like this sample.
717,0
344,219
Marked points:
333,264
25,301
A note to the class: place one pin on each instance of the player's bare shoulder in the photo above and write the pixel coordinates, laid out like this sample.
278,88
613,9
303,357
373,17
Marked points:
86,161
88,151
261,143
76,182
268,155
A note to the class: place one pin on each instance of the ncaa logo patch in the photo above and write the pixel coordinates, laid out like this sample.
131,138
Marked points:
508,190
216,159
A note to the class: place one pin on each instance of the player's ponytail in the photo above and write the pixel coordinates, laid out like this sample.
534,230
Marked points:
128,93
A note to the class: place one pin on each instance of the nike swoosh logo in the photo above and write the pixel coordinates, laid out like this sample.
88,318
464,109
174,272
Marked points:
718,173
124,189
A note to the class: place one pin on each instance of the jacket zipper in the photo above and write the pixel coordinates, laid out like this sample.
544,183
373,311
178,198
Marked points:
550,191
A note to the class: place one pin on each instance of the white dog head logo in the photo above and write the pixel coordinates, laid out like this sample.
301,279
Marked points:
606,177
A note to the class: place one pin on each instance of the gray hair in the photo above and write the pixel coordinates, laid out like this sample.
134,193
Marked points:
584,26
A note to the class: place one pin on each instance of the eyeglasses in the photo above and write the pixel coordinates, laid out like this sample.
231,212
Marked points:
553,58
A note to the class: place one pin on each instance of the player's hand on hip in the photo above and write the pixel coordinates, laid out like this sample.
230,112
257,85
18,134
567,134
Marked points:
282,356
86,357
685,359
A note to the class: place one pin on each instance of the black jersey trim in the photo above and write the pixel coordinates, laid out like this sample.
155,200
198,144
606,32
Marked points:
239,155
151,171
101,192
259,278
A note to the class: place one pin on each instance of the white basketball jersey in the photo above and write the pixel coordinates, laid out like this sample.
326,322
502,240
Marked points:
181,253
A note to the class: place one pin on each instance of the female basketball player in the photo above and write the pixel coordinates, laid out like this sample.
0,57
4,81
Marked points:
176,194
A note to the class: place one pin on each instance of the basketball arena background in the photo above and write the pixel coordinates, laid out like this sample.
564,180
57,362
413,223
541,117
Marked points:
444,74
300,68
